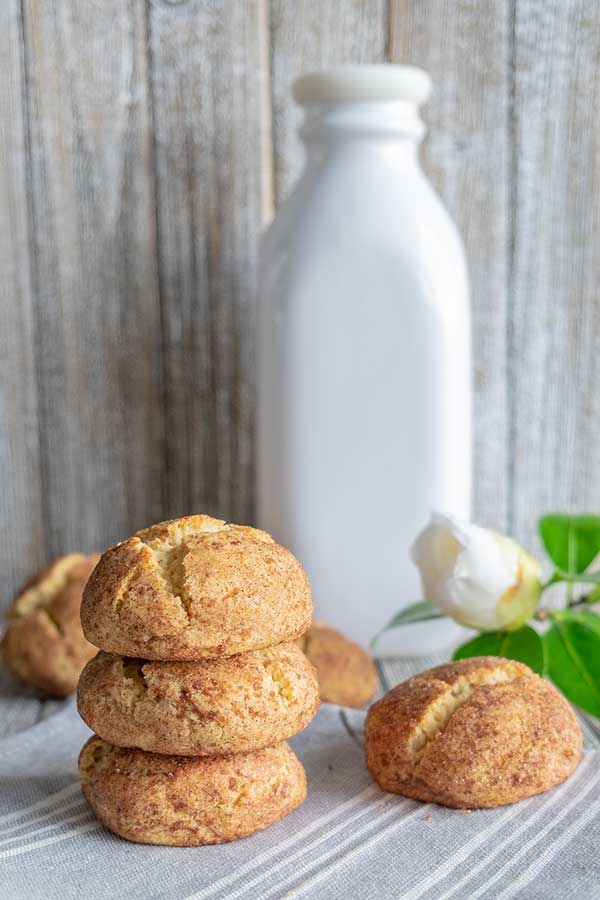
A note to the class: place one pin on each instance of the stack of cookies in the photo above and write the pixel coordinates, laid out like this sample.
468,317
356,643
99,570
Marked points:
198,684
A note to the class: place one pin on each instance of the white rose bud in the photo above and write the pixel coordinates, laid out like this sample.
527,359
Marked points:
482,579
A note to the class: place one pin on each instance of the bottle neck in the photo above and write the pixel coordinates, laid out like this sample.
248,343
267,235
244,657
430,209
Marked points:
396,122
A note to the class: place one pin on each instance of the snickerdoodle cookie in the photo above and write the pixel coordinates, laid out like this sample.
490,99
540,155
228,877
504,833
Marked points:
182,801
211,706
481,732
44,644
193,588
345,671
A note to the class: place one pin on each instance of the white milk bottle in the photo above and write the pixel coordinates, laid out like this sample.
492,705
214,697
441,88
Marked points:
364,360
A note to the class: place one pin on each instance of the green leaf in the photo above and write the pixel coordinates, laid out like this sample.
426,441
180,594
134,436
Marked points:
576,577
573,653
572,542
589,618
583,616
417,612
524,645
593,596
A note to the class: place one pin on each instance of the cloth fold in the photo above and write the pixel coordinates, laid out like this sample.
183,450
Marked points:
349,840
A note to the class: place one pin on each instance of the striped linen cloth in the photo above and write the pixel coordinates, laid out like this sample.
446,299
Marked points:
349,840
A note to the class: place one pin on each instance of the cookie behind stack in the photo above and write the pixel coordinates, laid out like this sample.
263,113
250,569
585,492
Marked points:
201,684
43,643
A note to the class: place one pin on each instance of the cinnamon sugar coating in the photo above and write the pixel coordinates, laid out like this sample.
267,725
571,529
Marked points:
193,588
346,672
212,706
182,801
479,732
43,643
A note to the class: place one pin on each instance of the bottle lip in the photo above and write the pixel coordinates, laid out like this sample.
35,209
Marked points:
352,84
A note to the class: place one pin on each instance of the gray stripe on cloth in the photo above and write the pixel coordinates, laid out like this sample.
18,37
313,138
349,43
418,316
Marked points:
524,853
529,815
348,840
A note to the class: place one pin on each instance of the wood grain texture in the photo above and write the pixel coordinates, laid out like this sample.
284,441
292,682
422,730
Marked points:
307,35
208,65
22,535
93,259
466,47
143,143
554,371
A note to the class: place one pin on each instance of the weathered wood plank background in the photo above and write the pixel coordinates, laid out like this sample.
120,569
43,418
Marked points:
144,144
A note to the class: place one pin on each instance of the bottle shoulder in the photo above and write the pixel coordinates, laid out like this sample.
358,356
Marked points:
386,219
363,191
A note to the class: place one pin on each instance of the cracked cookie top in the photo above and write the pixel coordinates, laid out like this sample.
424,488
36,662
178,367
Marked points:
480,732
195,587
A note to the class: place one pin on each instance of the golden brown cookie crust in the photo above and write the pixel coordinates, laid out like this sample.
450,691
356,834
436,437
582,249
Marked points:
178,801
193,588
43,643
346,672
212,706
480,732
